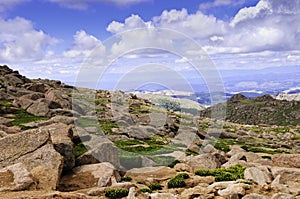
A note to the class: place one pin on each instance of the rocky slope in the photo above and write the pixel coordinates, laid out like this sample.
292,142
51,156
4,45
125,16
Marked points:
63,142
259,110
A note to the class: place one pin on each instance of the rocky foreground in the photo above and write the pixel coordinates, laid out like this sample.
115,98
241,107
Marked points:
63,142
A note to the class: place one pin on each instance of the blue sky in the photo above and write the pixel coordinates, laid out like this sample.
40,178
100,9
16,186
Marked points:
53,38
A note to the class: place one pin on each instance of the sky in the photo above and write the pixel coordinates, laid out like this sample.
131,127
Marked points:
55,39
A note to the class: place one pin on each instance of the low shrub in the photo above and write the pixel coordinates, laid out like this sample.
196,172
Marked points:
144,190
155,186
126,179
182,175
114,193
172,164
178,181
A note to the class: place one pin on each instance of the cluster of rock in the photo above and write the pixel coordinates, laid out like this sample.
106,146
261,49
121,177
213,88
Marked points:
40,162
259,110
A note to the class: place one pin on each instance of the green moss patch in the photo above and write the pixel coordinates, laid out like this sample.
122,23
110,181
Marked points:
230,174
114,193
80,149
178,181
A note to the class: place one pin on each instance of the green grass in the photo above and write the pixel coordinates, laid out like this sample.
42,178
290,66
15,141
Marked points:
22,117
104,126
182,175
155,186
145,190
178,181
261,150
101,101
107,126
231,173
80,149
126,179
5,103
114,193
162,160
154,145
281,130
224,144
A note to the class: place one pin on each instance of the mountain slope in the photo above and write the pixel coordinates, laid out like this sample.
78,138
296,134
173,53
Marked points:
260,110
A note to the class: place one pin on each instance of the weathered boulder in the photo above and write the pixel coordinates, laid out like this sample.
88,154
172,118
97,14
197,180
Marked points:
255,196
61,137
247,156
37,87
196,180
139,132
88,176
233,190
18,145
183,167
282,196
197,192
10,129
45,165
203,161
15,178
43,195
209,149
24,103
257,175
286,160
235,149
132,193
39,107
63,112
14,79
288,176
277,185
59,97
160,173
103,152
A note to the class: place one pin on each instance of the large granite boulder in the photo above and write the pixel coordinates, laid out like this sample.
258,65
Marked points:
203,161
102,152
59,97
61,137
45,164
15,178
286,160
88,176
146,174
17,145
39,107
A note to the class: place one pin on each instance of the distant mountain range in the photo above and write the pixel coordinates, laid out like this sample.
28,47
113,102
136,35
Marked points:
204,98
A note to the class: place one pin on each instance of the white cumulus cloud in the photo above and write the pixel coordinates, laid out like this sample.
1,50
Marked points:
20,41
83,46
